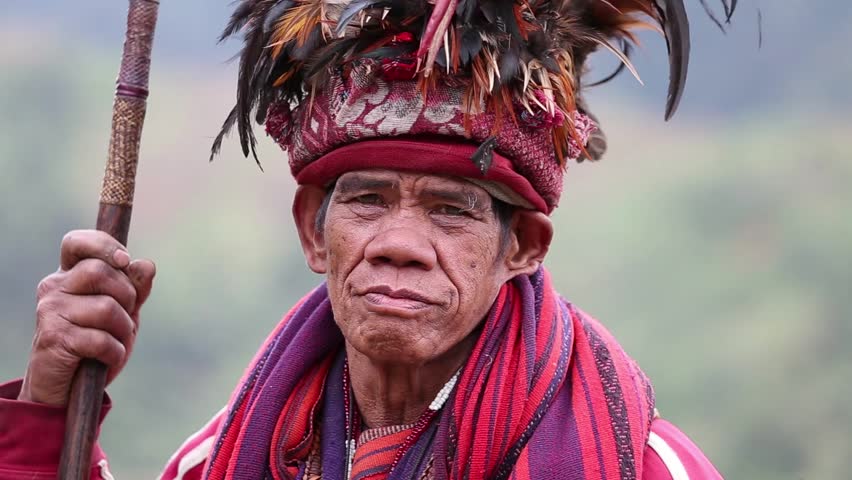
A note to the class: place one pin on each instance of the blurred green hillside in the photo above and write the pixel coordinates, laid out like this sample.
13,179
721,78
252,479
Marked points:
717,248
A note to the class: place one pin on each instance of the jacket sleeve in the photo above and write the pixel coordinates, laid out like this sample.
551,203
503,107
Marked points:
31,436
671,455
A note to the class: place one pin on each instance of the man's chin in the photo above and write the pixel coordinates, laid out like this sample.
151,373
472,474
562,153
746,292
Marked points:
388,343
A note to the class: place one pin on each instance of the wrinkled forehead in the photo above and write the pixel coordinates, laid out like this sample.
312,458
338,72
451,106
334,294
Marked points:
450,187
416,183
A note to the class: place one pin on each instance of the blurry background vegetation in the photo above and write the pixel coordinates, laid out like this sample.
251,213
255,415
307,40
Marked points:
717,247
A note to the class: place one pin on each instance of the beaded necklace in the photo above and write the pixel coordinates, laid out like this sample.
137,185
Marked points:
353,420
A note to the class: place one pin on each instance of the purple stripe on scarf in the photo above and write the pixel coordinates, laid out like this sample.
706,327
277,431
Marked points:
306,343
313,300
558,427
333,436
591,406
556,382
492,419
304,319
529,324
539,365
537,281
445,445
416,459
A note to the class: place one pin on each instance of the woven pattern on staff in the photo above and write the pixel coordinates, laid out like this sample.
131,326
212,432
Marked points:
136,62
128,114
129,108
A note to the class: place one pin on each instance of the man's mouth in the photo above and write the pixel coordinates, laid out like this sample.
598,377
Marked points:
385,296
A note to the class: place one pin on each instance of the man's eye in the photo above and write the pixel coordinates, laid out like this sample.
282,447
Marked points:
451,210
369,199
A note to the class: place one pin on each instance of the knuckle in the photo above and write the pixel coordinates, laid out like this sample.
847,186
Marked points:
44,309
107,349
94,270
49,337
99,345
105,307
46,286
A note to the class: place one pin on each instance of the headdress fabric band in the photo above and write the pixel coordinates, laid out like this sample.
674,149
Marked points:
435,156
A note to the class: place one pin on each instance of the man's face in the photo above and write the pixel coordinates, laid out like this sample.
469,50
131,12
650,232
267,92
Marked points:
413,262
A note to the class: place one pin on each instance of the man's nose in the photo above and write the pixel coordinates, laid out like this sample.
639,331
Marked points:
402,246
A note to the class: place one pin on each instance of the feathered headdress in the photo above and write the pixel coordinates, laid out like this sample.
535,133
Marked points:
514,61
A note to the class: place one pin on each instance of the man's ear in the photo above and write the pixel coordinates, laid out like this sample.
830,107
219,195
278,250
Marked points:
307,206
531,235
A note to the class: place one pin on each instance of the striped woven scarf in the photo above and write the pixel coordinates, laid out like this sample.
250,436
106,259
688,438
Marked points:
546,393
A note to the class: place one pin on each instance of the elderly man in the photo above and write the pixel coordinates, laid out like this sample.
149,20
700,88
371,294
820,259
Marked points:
437,347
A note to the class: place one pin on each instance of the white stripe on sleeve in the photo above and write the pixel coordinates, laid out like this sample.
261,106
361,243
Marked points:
195,457
668,456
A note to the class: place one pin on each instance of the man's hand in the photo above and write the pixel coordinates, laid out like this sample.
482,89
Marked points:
87,309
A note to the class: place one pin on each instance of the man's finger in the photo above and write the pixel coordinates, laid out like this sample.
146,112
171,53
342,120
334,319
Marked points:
141,273
98,312
93,276
80,244
97,344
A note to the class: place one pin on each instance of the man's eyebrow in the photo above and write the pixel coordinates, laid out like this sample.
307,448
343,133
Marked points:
353,184
467,197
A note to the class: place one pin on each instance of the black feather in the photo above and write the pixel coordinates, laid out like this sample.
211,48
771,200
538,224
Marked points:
465,10
506,17
729,9
239,18
712,14
280,65
227,125
275,13
489,11
676,29
510,62
316,68
312,42
470,45
537,44
390,51
253,59
351,10
627,48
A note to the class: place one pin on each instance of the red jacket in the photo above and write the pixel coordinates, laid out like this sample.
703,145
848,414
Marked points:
31,441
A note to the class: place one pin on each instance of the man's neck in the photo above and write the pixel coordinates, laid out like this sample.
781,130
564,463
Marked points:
395,394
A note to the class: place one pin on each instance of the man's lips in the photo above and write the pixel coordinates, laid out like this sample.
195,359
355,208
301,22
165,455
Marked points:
385,296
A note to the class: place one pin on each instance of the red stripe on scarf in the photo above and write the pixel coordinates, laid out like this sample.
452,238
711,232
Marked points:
510,395
229,441
295,430
229,431
377,455
583,417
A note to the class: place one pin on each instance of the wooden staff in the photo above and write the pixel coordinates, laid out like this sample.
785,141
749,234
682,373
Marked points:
116,205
